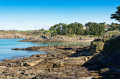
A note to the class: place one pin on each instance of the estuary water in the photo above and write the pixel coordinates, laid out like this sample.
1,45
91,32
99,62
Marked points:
7,44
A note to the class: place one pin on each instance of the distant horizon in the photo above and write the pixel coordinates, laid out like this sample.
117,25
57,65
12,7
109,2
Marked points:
38,14
48,27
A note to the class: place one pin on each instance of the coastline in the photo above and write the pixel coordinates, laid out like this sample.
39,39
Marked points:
67,62
59,38
50,65
61,61
57,57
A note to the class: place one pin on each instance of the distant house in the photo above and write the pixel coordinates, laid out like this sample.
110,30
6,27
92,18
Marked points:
107,27
84,28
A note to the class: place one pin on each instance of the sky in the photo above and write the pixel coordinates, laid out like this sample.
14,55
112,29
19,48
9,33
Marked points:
38,14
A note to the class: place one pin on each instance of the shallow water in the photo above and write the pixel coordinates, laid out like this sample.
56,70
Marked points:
7,44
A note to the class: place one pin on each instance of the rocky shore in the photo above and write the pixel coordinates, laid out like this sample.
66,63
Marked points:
60,64
9,36
31,37
58,38
100,60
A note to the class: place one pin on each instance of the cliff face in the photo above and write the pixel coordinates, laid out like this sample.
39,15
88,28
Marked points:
106,57
103,49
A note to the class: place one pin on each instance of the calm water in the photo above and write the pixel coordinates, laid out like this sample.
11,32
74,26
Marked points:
7,44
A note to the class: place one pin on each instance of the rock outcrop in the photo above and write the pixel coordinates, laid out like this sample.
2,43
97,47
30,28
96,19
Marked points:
106,61
58,64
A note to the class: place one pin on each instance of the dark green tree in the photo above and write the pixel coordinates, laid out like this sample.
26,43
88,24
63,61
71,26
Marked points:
87,25
114,26
96,28
64,29
86,32
70,31
79,29
116,15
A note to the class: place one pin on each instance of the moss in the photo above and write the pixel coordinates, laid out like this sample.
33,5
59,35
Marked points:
97,46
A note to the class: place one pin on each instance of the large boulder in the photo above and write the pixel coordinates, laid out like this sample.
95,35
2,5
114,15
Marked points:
96,46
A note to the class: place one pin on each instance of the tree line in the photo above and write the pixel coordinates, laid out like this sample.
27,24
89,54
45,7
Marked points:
90,28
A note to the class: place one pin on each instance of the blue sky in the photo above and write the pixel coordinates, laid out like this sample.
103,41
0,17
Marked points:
37,14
